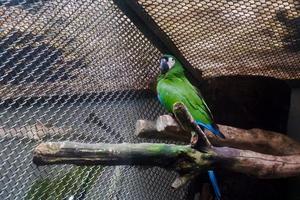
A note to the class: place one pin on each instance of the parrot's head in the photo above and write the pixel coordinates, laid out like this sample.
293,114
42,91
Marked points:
169,63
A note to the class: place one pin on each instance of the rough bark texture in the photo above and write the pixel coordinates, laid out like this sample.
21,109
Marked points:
245,102
188,160
107,154
258,140
257,164
165,127
176,157
198,137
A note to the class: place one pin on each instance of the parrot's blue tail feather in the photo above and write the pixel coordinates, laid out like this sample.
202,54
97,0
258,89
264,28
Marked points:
217,132
213,128
214,183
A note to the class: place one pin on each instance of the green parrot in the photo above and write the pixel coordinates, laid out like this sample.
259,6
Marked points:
174,87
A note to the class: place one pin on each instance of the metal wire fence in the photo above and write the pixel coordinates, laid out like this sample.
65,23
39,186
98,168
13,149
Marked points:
233,37
74,70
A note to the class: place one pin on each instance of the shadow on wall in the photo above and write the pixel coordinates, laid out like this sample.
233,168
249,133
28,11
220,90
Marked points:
292,39
249,102
30,59
294,132
294,115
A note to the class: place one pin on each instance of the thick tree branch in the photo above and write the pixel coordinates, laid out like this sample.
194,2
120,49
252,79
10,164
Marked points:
165,127
258,140
188,161
107,154
175,157
257,164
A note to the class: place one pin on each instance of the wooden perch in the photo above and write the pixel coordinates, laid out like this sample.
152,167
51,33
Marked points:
181,158
187,160
198,137
268,142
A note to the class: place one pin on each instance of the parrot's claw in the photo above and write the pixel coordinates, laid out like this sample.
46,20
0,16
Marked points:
194,138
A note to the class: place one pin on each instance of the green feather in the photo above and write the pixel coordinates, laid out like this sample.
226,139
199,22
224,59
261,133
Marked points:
174,87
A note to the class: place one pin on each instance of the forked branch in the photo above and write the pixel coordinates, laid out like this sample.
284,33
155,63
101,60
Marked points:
187,160
258,140
175,157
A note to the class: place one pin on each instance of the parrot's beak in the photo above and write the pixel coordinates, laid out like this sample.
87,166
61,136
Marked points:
164,67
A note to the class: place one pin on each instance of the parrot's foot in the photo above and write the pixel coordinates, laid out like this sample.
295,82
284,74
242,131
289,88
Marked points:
194,138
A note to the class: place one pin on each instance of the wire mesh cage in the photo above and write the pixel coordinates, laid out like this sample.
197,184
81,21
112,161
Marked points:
233,37
78,70
73,70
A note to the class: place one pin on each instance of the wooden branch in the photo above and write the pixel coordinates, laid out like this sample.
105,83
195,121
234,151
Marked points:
188,161
175,157
198,137
263,141
156,154
258,140
165,127
257,164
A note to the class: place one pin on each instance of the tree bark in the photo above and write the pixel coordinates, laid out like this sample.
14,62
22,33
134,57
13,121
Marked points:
258,140
181,158
187,160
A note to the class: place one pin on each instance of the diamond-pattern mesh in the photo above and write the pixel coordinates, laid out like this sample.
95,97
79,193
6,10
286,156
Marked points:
233,37
74,70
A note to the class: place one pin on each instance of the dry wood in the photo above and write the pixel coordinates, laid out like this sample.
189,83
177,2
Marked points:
258,140
187,160
198,137
181,158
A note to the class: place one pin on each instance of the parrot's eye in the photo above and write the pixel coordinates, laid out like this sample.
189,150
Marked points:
171,62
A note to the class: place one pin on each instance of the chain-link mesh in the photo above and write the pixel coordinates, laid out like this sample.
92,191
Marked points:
74,70
233,37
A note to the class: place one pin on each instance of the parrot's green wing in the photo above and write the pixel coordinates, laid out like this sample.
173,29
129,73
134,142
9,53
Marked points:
203,106
200,108
181,90
173,87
